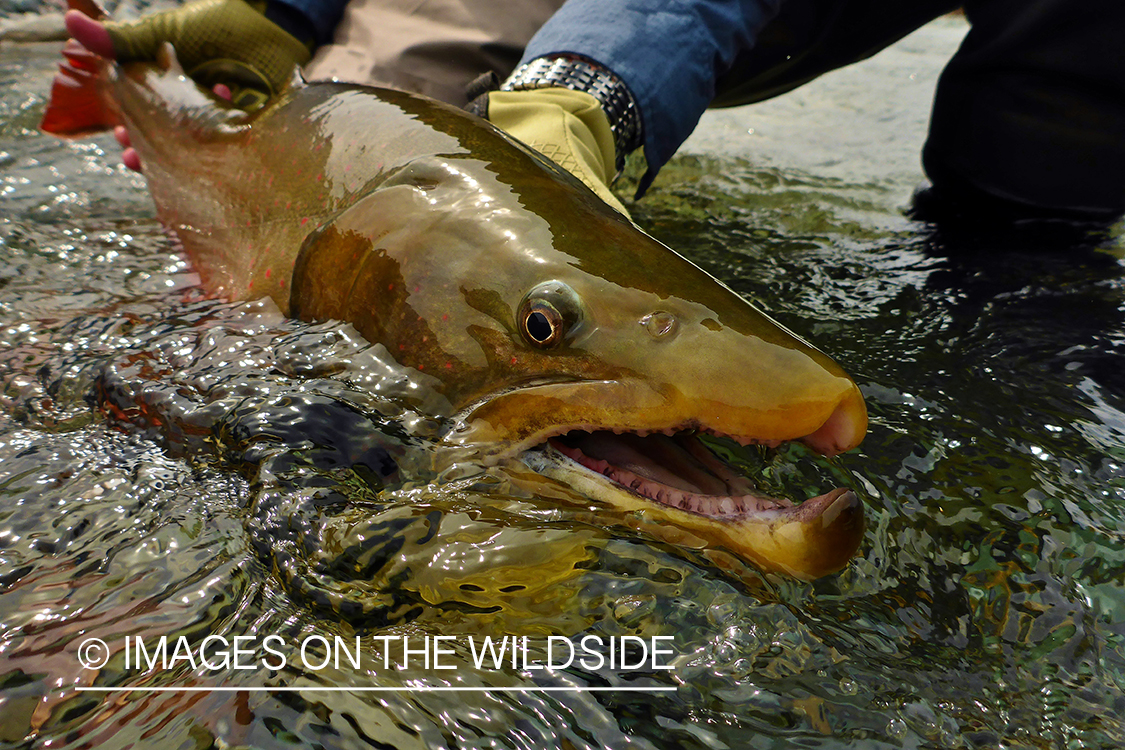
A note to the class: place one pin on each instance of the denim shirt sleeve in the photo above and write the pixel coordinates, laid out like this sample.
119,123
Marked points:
323,15
668,52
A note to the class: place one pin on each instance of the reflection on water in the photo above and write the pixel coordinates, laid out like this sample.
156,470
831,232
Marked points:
182,467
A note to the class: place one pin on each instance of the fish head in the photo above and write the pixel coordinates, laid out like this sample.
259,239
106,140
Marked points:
614,331
559,331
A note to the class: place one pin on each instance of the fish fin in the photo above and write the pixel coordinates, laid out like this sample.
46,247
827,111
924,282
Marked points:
89,7
77,106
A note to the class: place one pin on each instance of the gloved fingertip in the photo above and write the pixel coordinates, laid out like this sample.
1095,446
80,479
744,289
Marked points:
131,160
89,33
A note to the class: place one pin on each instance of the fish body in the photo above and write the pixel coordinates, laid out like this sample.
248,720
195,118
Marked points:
552,327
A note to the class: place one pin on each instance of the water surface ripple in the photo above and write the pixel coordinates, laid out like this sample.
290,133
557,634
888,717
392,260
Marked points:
171,465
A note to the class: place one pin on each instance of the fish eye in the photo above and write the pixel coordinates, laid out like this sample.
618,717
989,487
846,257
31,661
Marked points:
548,314
541,324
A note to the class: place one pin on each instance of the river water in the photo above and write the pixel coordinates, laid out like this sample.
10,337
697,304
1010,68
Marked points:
180,467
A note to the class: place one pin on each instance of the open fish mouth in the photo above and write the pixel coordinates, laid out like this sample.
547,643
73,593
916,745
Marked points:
674,469
696,495
663,476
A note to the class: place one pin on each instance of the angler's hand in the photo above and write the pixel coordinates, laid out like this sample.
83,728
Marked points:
218,42
568,127
229,46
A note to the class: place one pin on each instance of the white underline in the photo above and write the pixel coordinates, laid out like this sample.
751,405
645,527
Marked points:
417,689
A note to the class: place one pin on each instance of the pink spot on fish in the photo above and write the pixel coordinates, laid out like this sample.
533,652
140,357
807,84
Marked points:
304,220
267,272
449,365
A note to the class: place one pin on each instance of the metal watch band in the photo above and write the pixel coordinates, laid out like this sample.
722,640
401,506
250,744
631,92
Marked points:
582,75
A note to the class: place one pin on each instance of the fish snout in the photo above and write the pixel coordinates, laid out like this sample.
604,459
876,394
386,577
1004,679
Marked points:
844,429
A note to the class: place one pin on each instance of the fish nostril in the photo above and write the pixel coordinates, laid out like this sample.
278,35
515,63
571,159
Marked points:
660,324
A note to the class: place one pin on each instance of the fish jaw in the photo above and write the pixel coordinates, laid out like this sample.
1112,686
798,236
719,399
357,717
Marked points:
515,420
805,541
631,468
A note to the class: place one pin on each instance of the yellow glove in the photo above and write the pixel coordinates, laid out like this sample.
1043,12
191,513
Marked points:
568,127
218,41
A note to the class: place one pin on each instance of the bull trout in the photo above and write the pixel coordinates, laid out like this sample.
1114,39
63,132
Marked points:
555,331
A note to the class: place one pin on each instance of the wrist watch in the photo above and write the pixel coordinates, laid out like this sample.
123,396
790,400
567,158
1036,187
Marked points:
579,74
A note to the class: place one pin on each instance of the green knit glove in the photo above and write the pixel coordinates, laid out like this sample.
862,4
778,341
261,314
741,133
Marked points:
229,42
568,127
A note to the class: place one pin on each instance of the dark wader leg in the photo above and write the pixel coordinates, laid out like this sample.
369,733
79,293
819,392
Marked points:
1032,107
1029,114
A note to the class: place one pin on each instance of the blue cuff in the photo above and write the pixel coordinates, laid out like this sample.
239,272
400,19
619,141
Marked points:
322,14
668,52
